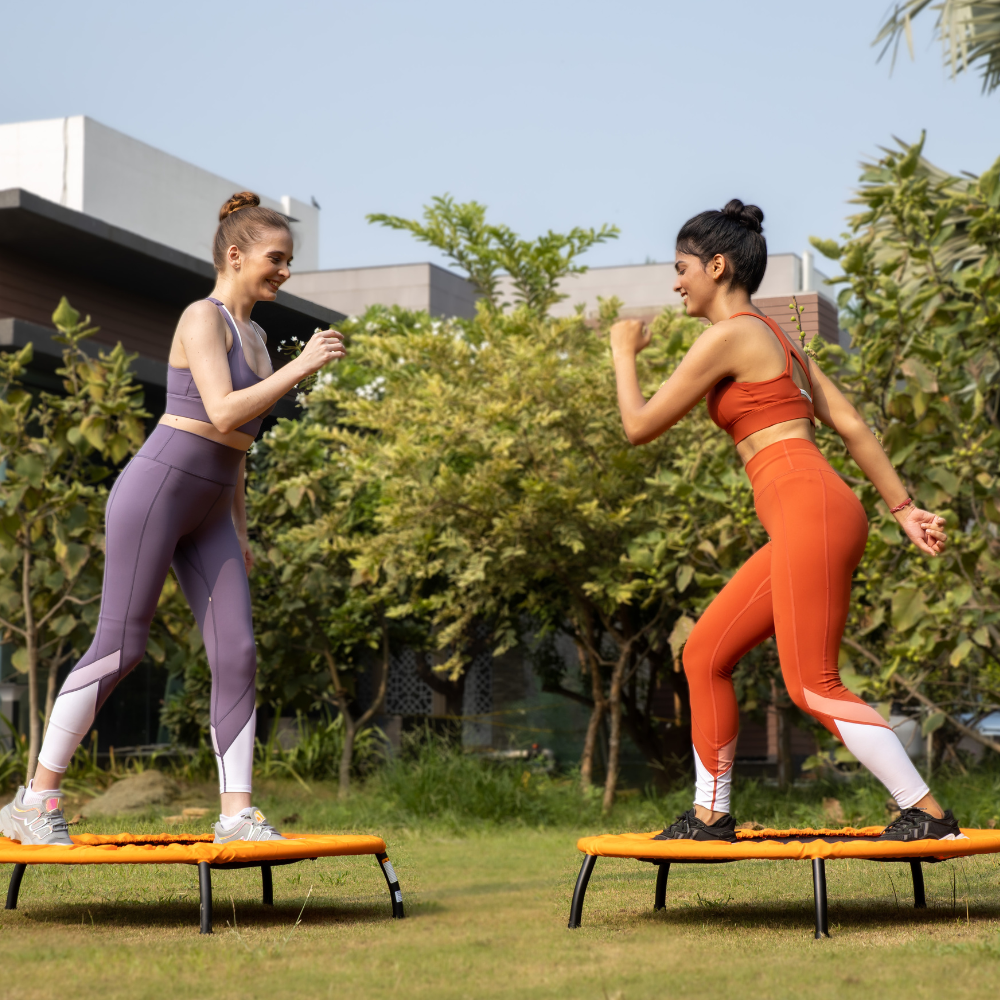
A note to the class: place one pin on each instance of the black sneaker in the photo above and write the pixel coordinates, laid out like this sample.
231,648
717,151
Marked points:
915,824
689,827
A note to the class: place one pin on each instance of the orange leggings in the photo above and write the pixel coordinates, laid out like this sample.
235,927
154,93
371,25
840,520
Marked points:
798,588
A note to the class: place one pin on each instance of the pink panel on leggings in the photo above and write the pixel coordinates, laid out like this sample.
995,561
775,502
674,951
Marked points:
852,711
81,677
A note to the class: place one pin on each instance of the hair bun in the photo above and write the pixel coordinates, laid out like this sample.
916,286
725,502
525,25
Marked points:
749,216
243,199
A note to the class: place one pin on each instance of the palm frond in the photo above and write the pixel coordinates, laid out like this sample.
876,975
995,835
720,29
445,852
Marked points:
969,31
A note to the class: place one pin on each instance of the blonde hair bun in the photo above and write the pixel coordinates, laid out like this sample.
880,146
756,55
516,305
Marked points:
244,199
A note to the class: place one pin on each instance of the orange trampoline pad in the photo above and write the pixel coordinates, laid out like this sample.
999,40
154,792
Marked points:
785,845
166,849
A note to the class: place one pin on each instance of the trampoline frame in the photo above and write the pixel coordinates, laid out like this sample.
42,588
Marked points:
205,882
663,871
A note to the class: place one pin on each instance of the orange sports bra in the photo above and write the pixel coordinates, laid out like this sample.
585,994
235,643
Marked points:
743,408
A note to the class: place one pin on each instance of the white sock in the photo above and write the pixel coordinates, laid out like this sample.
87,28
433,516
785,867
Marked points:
880,750
33,798
233,820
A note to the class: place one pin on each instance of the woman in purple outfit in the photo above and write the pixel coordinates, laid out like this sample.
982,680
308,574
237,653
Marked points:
180,502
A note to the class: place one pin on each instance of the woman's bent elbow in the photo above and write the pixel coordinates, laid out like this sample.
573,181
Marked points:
637,437
223,424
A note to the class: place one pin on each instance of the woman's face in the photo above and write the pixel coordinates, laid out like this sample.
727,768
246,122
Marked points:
698,283
265,266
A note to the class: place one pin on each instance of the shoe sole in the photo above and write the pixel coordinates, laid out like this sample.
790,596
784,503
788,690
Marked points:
917,840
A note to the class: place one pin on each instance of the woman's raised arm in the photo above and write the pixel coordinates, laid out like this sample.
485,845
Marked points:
202,334
704,364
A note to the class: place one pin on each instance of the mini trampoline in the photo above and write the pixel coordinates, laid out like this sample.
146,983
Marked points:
198,849
787,845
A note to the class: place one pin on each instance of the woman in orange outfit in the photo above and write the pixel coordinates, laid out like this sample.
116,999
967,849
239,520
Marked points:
766,394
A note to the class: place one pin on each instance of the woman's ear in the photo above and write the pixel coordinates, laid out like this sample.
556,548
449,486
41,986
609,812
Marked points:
717,267
234,257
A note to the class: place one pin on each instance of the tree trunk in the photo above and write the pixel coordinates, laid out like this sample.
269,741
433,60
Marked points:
783,735
50,686
31,648
353,726
347,754
785,762
615,737
594,725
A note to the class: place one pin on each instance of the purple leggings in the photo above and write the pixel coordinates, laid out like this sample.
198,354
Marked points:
171,505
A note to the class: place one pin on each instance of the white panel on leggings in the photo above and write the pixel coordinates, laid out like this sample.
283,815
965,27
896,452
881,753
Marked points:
236,764
711,792
881,752
72,718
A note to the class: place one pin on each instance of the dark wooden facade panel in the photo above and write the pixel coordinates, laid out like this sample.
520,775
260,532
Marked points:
31,291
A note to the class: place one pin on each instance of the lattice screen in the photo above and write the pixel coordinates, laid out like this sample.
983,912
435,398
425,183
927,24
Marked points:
405,692
478,701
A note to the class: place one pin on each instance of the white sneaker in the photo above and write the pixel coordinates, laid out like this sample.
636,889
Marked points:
251,825
41,824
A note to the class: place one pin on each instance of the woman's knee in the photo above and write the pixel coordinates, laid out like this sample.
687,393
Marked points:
239,659
698,657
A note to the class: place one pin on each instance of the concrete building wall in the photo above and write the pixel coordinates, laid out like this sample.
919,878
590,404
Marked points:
412,286
645,289
84,165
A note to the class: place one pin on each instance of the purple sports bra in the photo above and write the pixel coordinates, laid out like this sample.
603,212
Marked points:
183,398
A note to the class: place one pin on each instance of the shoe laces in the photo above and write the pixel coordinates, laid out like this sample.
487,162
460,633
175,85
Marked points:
682,824
53,819
908,818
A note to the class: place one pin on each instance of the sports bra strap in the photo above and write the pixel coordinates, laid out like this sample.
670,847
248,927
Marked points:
785,345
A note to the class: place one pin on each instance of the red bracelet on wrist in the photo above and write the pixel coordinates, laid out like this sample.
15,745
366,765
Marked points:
900,506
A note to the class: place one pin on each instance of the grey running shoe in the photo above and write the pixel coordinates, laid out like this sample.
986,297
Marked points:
252,827
915,824
689,827
41,824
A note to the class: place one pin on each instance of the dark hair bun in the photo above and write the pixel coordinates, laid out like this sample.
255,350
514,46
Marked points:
245,199
749,216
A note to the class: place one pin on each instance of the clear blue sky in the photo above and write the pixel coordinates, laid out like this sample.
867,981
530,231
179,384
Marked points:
552,113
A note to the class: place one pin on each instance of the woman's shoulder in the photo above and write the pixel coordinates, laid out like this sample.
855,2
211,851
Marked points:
202,322
201,309
201,315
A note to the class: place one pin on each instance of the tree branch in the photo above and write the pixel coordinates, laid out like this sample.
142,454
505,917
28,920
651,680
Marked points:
965,730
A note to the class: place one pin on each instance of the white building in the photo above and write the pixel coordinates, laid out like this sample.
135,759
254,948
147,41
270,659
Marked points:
84,165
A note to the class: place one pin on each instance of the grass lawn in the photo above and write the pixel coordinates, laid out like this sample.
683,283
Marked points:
486,917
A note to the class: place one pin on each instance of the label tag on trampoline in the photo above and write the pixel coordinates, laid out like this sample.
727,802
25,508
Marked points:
389,870
399,896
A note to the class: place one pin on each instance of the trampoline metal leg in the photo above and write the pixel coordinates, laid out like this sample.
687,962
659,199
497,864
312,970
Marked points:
205,890
819,894
267,884
660,899
395,893
919,899
15,886
576,907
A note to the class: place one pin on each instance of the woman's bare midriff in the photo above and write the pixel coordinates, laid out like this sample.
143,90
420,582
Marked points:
234,439
800,429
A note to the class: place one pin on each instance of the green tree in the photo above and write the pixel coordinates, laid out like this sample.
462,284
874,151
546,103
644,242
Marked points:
57,452
485,251
320,624
969,31
921,300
